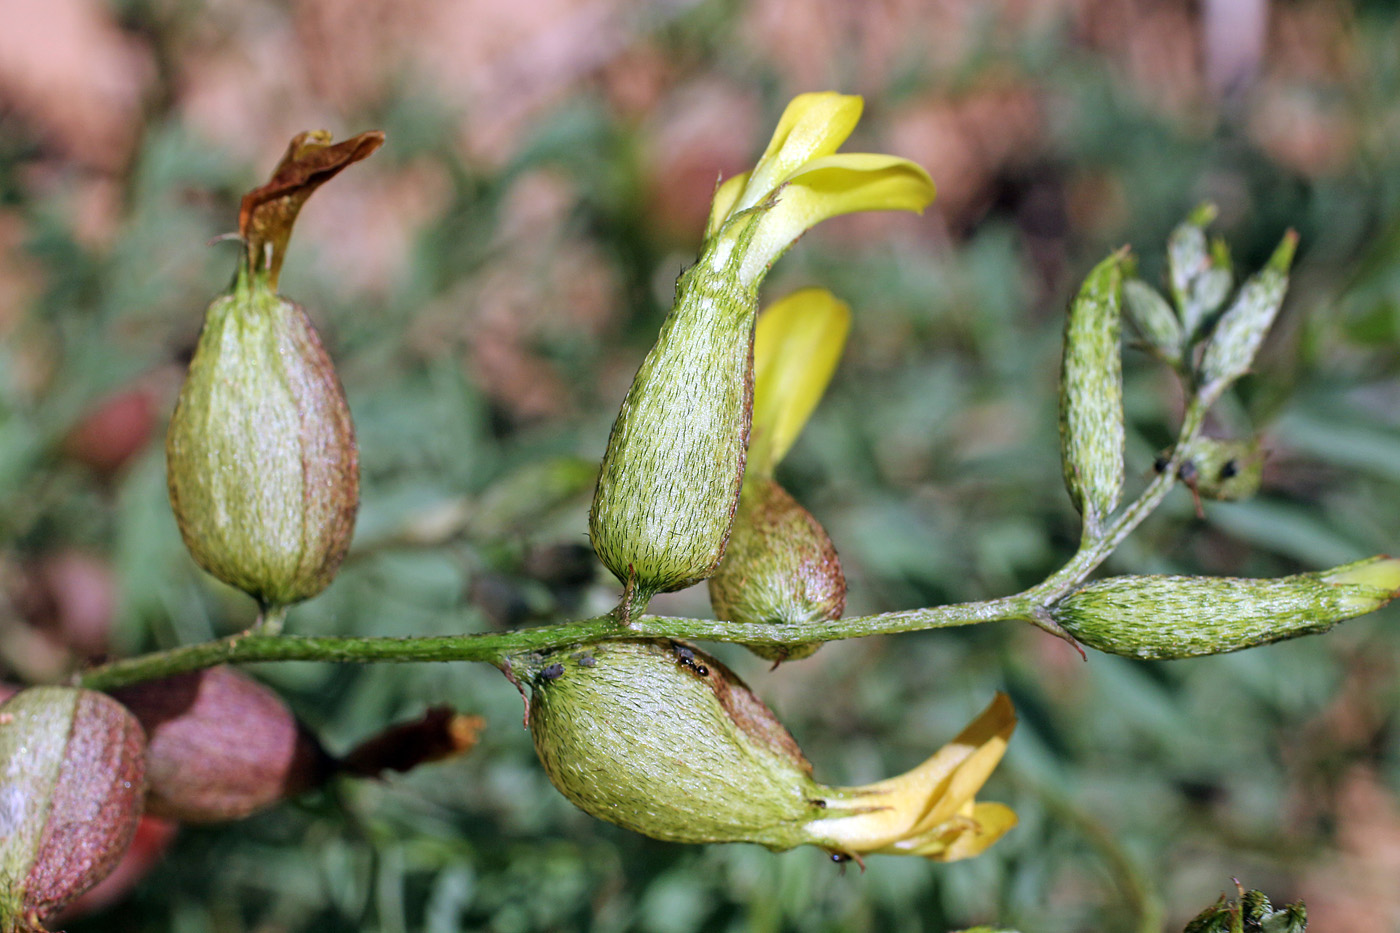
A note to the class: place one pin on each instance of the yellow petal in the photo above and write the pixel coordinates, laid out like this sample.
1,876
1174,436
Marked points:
812,126
966,781
796,346
965,836
722,204
828,187
914,804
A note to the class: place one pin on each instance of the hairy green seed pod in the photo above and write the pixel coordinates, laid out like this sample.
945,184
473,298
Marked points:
261,458
660,738
1167,617
262,463
780,568
671,476
71,777
1091,395
221,746
1242,328
663,740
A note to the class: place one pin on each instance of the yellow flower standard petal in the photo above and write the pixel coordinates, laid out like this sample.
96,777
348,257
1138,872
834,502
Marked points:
812,126
796,347
800,181
930,810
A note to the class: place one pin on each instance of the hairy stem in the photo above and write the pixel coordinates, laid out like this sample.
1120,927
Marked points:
1095,550
495,648
261,643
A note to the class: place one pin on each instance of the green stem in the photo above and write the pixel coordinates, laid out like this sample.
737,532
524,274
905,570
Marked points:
269,621
496,648
262,643
1095,550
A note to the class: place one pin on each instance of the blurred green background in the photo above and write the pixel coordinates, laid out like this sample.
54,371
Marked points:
490,280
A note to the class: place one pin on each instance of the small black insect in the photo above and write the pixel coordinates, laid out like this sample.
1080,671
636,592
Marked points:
1229,468
553,672
587,661
686,658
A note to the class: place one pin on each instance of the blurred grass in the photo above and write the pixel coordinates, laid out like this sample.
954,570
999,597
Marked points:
488,284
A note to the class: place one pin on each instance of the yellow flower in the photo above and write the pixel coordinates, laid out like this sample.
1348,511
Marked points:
801,180
796,347
662,739
673,471
929,811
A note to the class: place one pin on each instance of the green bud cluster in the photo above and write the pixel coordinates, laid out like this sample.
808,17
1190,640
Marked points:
1209,343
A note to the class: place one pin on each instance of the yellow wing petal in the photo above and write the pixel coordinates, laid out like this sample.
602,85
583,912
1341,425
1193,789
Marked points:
796,347
965,836
828,187
882,814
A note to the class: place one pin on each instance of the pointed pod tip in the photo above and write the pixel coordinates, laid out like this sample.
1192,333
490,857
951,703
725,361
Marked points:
1381,572
1282,258
1203,214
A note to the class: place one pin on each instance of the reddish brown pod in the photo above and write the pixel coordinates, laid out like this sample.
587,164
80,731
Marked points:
152,840
221,746
71,777
113,430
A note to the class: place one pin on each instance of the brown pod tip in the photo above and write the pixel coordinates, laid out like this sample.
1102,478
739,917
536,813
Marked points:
440,733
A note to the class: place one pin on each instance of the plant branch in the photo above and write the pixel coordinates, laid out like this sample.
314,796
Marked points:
1094,551
495,648
260,644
